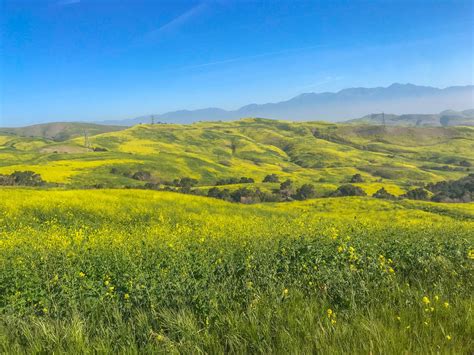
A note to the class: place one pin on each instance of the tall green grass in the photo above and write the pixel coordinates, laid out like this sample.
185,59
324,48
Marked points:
139,271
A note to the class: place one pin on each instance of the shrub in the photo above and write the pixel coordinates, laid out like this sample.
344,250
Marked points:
357,178
271,178
142,175
286,189
188,182
417,194
185,182
152,186
461,190
227,181
246,180
348,190
22,178
384,194
218,193
305,192
233,180
245,195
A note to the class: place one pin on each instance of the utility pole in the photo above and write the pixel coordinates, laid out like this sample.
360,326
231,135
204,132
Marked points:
152,119
86,140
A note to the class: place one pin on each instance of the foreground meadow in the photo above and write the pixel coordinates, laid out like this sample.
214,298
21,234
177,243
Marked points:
143,271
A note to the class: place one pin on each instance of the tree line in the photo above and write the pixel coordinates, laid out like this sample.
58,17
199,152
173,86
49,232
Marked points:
461,190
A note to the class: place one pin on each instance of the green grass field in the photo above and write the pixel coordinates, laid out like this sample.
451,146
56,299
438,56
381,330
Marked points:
142,271
116,270
307,152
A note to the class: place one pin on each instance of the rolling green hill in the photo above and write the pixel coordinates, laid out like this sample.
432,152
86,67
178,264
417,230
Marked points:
442,119
61,131
307,152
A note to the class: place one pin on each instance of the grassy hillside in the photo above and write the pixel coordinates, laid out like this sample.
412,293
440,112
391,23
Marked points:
143,271
309,152
445,118
61,131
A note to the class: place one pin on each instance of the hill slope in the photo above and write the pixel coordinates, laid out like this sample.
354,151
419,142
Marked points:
445,118
129,271
311,152
61,131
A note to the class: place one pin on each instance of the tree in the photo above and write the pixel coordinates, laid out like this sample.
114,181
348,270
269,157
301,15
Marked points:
461,190
142,175
348,190
271,178
286,190
218,193
305,192
26,178
246,180
287,184
233,180
384,194
243,195
444,120
6,180
417,194
187,182
357,178
234,144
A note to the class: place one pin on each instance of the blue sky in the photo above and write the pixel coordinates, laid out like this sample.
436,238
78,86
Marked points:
113,59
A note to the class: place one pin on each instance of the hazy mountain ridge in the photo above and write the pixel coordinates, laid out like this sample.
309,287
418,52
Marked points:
346,104
443,119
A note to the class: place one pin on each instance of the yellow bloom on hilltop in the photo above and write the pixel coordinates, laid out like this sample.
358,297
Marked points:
285,292
81,274
426,300
126,296
446,304
448,337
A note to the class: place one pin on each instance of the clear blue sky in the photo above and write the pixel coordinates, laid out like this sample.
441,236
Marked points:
113,59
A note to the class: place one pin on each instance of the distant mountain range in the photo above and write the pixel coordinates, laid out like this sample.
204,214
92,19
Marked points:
442,119
340,106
